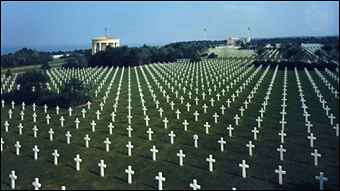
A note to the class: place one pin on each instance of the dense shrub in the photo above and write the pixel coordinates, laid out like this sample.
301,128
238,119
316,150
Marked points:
25,57
125,56
74,92
75,61
212,55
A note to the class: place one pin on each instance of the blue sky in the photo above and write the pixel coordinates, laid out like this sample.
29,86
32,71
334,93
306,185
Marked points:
37,24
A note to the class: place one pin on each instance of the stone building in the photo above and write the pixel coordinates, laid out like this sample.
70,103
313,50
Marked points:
100,43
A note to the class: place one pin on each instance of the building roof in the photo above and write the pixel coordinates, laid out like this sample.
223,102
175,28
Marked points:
105,38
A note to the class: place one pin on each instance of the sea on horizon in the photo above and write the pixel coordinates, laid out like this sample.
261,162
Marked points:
54,48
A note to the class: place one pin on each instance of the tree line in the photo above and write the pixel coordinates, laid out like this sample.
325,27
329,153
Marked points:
135,56
295,40
25,57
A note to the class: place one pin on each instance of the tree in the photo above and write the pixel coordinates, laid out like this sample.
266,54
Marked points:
8,73
46,66
76,61
24,57
212,55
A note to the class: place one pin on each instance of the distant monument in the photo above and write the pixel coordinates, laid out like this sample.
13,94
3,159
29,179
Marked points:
249,37
234,42
100,43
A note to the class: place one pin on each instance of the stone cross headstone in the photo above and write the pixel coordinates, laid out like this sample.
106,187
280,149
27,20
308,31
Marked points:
17,147
93,126
172,136
130,172
35,130
230,129
315,154
20,127
78,160
195,137
129,146
280,172
181,155
62,119
35,151
6,124
259,120
55,155
160,179
87,140
255,131
36,184
282,134
244,166
68,137
129,129
281,150
196,114
154,151
48,117
51,132
312,139
2,143
13,178
336,127
194,185
185,123
250,147
322,180
149,132
215,117
165,121
107,143
236,118
210,160
222,142
102,166
111,127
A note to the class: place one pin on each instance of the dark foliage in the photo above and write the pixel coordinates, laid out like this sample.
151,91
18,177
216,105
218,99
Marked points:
8,73
25,57
296,40
124,56
46,66
297,64
212,55
76,60
74,92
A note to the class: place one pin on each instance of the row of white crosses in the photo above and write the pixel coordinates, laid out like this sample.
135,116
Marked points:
306,114
58,77
210,159
325,106
311,137
196,117
203,95
282,133
8,83
332,75
283,113
182,153
328,84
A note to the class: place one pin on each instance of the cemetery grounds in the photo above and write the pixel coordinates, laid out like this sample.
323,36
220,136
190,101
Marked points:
158,86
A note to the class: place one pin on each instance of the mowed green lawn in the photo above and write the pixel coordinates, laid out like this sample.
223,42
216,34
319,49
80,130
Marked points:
298,162
225,52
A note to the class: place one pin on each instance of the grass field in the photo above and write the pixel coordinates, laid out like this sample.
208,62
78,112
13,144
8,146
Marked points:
297,162
225,52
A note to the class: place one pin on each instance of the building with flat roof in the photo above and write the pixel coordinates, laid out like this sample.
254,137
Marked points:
100,43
